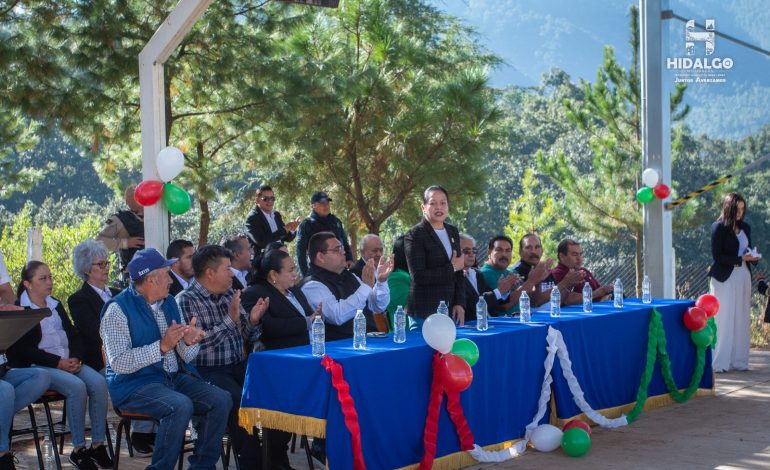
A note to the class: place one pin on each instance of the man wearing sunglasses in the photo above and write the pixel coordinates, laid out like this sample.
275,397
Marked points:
264,224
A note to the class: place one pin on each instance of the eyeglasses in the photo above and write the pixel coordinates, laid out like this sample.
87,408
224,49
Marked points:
338,248
470,251
101,264
267,198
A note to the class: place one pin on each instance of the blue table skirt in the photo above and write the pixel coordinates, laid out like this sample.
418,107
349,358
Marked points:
390,383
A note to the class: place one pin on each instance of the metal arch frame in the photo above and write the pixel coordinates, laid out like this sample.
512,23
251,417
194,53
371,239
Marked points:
658,247
152,104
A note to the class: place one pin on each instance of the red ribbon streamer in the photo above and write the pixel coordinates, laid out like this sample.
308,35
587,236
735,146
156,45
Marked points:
455,409
431,422
348,409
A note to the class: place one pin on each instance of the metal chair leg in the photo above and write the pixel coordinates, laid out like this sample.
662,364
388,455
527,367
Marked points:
307,452
115,459
36,435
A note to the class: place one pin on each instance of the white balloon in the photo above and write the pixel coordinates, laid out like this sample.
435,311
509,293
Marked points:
650,177
546,438
439,332
170,163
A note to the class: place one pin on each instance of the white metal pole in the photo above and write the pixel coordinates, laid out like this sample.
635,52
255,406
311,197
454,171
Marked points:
659,262
152,102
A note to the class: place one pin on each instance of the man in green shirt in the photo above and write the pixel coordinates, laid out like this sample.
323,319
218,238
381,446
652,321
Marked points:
499,254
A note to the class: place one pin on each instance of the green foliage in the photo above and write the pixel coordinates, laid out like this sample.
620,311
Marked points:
600,196
535,212
58,243
399,101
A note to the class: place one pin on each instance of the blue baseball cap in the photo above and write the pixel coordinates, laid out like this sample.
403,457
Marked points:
145,261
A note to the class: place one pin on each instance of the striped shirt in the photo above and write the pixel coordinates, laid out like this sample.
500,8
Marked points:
223,344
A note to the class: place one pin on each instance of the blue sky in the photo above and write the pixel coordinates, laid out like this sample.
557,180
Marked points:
532,36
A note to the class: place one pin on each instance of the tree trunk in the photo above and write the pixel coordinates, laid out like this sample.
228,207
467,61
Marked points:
205,221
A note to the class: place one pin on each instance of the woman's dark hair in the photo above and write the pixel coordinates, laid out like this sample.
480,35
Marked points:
27,273
271,261
729,215
399,254
430,189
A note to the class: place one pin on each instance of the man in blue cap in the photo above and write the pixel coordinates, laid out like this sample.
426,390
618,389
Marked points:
320,220
148,347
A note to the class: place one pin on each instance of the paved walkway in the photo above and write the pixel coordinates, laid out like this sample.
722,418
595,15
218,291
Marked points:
728,431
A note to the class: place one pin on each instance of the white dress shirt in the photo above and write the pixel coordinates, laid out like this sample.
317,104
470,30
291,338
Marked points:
339,311
54,339
105,294
270,216
241,275
181,280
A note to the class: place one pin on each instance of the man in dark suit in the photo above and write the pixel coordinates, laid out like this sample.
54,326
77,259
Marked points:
475,286
433,255
240,261
264,224
370,247
182,271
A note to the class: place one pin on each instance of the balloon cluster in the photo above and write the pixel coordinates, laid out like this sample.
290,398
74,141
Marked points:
170,162
652,187
574,438
459,355
696,319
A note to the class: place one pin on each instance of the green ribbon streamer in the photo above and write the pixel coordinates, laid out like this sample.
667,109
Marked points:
656,349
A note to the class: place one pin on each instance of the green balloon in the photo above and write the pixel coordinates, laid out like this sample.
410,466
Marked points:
645,195
466,349
713,325
176,199
575,442
702,337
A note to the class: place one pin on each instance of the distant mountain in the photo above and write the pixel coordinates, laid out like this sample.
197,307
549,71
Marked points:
534,36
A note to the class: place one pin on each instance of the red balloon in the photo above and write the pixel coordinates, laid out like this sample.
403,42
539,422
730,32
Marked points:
455,373
695,318
148,192
578,423
661,191
708,303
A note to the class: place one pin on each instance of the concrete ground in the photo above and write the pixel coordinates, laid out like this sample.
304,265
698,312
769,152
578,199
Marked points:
727,431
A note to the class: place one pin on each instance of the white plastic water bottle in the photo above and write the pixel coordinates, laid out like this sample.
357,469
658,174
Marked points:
646,290
555,302
588,298
525,312
49,460
617,294
482,319
442,308
399,318
359,330
318,336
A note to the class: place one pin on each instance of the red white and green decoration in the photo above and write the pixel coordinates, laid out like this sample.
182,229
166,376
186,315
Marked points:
452,374
169,163
652,188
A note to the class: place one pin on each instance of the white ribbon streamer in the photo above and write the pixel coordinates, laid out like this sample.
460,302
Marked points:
556,346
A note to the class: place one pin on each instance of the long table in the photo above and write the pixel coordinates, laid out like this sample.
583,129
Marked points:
289,389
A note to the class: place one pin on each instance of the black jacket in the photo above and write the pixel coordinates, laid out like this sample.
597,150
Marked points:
176,286
259,232
471,297
25,352
433,276
762,288
312,225
358,268
282,325
724,250
86,306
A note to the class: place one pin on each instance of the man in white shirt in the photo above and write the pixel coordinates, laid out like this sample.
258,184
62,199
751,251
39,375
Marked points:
340,292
